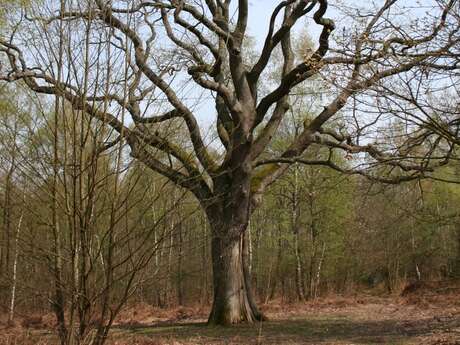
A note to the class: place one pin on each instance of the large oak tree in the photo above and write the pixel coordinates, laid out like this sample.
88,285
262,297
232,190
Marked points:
144,64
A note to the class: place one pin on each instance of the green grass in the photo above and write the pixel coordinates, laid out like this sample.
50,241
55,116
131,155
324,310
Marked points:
337,330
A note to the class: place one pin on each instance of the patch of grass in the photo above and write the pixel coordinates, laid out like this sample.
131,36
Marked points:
299,331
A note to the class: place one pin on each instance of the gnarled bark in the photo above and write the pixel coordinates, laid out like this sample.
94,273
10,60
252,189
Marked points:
233,299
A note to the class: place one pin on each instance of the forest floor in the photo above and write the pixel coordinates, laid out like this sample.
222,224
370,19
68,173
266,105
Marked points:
420,318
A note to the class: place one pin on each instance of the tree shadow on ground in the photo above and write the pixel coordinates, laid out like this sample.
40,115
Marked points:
300,331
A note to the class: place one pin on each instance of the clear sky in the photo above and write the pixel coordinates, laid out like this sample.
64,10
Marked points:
259,16
259,13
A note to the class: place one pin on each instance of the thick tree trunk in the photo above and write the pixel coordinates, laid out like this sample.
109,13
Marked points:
229,216
233,301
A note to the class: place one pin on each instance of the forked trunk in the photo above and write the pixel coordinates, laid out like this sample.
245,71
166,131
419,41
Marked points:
233,301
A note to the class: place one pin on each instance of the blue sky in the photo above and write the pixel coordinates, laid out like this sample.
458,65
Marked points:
260,11
259,15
